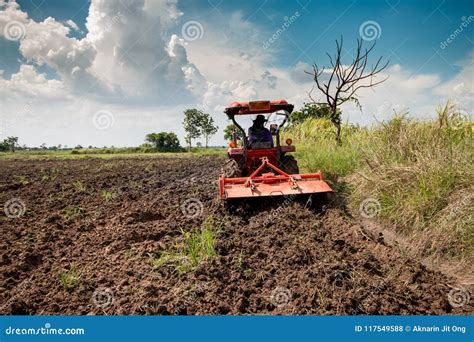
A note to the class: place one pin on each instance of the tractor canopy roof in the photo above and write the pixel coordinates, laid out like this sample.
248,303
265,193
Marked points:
257,107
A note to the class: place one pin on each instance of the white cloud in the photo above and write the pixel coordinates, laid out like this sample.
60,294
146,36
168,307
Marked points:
418,94
10,11
123,54
299,74
72,24
131,64
461,87
27,84
132,52
167,11
47,43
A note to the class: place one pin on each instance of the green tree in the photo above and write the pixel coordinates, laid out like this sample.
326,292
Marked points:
9,144
228,132
164,141
192,124
207,126
312,110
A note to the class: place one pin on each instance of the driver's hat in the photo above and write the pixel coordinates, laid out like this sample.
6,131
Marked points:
259,118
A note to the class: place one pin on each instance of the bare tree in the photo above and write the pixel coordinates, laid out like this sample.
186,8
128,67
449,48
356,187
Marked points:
345,80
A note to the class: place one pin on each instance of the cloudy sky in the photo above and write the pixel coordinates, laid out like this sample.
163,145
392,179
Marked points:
105,73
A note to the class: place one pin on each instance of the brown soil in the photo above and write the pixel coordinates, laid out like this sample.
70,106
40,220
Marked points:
104,218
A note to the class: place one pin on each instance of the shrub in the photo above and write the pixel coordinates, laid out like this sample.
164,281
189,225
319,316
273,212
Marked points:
164,141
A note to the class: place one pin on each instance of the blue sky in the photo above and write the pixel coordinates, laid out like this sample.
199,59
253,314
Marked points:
148,85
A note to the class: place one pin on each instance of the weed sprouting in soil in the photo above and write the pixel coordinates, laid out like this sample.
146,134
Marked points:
107,195
72,212
58,196
196,246
23,180
128,254
69,279
239,261
149,168
79,186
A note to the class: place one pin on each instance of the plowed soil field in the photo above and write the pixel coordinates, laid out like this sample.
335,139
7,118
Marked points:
79,236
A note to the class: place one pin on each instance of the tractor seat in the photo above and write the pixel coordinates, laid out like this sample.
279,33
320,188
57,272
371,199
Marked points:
260,144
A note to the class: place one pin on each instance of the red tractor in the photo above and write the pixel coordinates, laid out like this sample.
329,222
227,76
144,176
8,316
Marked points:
264,168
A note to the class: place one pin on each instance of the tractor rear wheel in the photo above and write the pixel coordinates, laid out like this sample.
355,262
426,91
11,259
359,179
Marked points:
231,169
290,165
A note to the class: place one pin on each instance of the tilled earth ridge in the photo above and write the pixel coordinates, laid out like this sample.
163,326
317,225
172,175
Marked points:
104,218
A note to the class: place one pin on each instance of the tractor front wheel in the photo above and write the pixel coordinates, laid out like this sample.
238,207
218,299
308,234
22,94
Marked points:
290,165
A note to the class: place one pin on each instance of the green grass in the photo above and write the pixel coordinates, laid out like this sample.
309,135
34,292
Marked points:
72,212
316,149
23,180
69,279
420,172
79,186
196,246
109,153
107,195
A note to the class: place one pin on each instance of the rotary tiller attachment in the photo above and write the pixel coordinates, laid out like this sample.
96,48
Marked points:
276,183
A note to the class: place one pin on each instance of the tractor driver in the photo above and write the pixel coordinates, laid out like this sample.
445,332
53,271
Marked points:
258,133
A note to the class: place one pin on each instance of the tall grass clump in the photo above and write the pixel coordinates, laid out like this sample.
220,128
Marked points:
69,279
317,150
195,247
422,175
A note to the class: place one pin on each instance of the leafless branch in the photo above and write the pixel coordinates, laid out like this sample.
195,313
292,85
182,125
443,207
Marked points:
344,81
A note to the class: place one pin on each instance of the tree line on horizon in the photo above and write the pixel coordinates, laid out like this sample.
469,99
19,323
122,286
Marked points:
196,124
